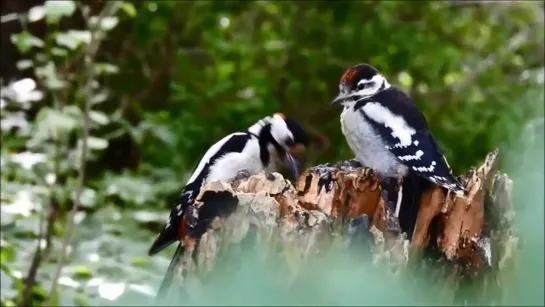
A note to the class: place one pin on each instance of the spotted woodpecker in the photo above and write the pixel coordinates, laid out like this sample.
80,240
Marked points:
387,132
264,146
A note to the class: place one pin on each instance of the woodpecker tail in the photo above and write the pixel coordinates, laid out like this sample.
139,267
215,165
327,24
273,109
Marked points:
163,240
413,186
162,293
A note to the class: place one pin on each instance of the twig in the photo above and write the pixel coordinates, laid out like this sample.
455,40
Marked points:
36,260
514,43
109,9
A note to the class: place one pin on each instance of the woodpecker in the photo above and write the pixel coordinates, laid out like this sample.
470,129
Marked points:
388,133
264,146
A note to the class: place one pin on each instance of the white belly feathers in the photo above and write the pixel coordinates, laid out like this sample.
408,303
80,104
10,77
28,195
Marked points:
367,145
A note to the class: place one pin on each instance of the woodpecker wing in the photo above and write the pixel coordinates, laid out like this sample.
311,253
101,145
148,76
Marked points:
405,131
233,143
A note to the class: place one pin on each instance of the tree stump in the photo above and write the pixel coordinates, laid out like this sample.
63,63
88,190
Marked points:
455,239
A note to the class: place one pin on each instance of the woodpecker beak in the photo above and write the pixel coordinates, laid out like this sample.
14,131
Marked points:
291,162
339,99
297,149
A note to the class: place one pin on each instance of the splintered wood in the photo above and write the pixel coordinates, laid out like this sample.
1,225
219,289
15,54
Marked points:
302,219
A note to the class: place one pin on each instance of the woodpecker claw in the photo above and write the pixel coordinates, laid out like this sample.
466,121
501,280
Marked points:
241,175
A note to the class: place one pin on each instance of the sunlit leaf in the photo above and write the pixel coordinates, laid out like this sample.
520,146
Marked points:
24,64
106,68
36,13
149,216
128,8
87,197
56,9
24,41
59,52
97,143
49,73
108,23
99,117
111,291
81,271
73,39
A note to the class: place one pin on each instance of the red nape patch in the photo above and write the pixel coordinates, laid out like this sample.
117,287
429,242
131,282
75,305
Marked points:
281,115
349,75
181,229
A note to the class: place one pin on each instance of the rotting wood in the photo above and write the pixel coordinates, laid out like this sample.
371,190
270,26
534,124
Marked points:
311,215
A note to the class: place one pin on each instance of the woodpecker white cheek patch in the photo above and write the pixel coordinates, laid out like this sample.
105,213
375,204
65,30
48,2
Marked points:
400,128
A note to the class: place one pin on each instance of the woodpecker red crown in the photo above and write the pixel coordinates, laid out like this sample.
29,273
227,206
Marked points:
349,75
281,115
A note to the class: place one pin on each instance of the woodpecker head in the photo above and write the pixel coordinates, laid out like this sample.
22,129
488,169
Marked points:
360,81
292,140
284,138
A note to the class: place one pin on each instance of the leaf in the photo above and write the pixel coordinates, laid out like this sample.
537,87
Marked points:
24,64
81,271
49,73
99,117
36,13
50,123
106,68
97,143
108,23
58,52
128,8
73,38
146,216
99,98
87,197
140,260
56,9
24,41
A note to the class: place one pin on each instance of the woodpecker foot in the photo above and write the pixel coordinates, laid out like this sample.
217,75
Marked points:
242,174
359,234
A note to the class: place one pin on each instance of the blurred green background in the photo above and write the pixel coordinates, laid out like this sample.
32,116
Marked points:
173,77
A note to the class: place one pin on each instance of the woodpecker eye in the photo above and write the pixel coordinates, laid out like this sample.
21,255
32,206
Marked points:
290,142
362,86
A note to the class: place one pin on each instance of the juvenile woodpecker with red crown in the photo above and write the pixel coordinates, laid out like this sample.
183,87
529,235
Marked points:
265,146
388,133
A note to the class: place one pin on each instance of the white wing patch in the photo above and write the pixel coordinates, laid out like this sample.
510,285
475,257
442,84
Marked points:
425,169
442,181
416,156
400,128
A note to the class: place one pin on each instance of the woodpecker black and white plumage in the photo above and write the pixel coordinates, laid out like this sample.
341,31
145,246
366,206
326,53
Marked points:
388,133
264,146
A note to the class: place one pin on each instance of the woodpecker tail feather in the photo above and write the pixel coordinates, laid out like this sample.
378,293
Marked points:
413,186
162,293
163,240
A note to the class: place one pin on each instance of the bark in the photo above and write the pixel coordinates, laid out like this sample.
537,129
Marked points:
469,237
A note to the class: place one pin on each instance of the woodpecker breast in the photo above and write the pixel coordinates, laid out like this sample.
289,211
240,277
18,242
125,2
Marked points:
368,146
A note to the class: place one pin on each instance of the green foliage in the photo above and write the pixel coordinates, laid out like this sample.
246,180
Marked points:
175,76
